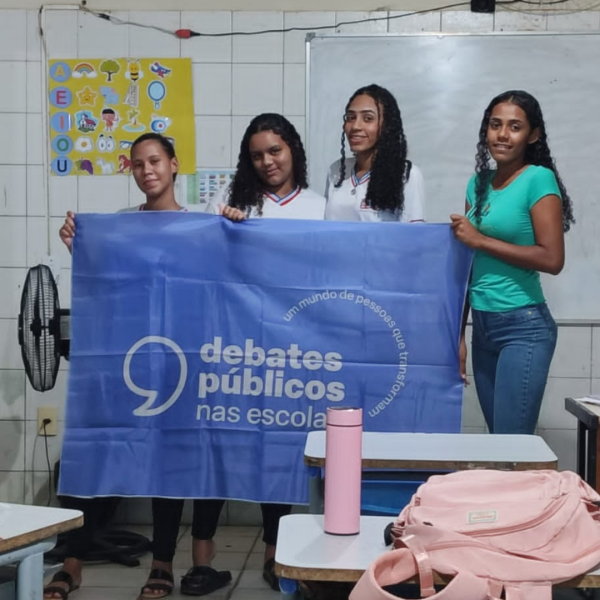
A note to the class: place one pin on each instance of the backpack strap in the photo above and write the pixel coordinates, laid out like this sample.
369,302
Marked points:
423,563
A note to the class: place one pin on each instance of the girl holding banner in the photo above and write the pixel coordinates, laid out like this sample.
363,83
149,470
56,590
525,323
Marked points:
516,216
154,168
270,182
379,183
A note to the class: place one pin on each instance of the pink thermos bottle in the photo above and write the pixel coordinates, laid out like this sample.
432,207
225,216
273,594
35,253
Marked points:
343,470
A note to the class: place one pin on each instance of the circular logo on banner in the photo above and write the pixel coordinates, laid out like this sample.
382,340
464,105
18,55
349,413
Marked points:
62,165
61,97
61,122
60,72
62,144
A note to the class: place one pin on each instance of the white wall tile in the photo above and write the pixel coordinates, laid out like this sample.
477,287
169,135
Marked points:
12,395
35,139
294,42
294,89
13,128
13,35
379,26
13,242
35,451
37,488
508,20
468,337
36,197
471,409
57,396
238,128
553,414
213,138
34,52
431,21
563,443
13,190
462,21
34,87
100,38
10,295
212,89
207,49
12,487
12,445
257,89
572,357
136,196
63,282
474,429
149,42
63,195
584,21
61,33
263,48
596,351
38,229
595,386
103,194
13,76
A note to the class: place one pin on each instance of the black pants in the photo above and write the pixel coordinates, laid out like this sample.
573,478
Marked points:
96,513
166,514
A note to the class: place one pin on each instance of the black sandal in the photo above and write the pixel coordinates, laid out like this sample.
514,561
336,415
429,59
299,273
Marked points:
199,581
166,588
61,577
269,575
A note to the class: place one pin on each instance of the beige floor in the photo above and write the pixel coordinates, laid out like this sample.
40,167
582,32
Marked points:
240,550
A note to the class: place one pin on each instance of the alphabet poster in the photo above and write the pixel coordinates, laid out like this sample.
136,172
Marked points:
98,108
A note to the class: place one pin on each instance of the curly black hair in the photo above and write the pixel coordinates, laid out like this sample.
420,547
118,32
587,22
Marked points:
247,189
166,143
537,153
390,169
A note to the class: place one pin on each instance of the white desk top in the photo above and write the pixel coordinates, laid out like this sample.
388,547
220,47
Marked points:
443,450
22,524
305,551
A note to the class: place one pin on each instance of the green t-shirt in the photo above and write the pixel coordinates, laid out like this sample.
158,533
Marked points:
497,286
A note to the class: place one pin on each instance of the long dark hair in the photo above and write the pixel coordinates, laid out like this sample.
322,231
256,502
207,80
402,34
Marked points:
247,189
167,145
536,153
390,169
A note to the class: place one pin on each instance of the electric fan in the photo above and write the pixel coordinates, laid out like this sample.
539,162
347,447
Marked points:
44,337
43,328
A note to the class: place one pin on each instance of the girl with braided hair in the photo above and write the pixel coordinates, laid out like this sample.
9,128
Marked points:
516,214
378,183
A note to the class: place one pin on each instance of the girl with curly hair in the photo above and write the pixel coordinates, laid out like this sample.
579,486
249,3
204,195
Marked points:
516,214
270,182
270,179
378,183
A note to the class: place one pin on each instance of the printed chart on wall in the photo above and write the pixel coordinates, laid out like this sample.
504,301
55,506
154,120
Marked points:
98,107
205,183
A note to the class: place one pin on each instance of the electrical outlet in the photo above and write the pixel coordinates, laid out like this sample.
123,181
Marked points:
47,412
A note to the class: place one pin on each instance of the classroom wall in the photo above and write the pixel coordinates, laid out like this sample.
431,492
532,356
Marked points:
229,79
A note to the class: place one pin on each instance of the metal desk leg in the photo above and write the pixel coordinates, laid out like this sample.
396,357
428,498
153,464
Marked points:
592,456
316,491
30,568
581,464
289,589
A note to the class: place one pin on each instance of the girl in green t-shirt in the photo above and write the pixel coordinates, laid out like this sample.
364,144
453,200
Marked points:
516,214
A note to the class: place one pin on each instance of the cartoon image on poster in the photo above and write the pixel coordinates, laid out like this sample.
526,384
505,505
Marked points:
98,107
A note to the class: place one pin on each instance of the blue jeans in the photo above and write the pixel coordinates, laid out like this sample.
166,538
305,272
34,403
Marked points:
511,354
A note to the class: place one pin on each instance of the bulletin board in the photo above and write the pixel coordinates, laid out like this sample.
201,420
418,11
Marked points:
98,107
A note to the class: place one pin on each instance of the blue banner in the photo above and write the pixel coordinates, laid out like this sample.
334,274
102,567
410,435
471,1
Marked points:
203,351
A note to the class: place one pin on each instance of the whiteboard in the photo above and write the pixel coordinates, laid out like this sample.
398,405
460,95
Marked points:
443,84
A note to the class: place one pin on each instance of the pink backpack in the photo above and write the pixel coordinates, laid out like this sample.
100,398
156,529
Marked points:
491,531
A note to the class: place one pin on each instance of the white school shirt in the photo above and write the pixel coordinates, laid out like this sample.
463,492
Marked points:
344,205
140,207
298,204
